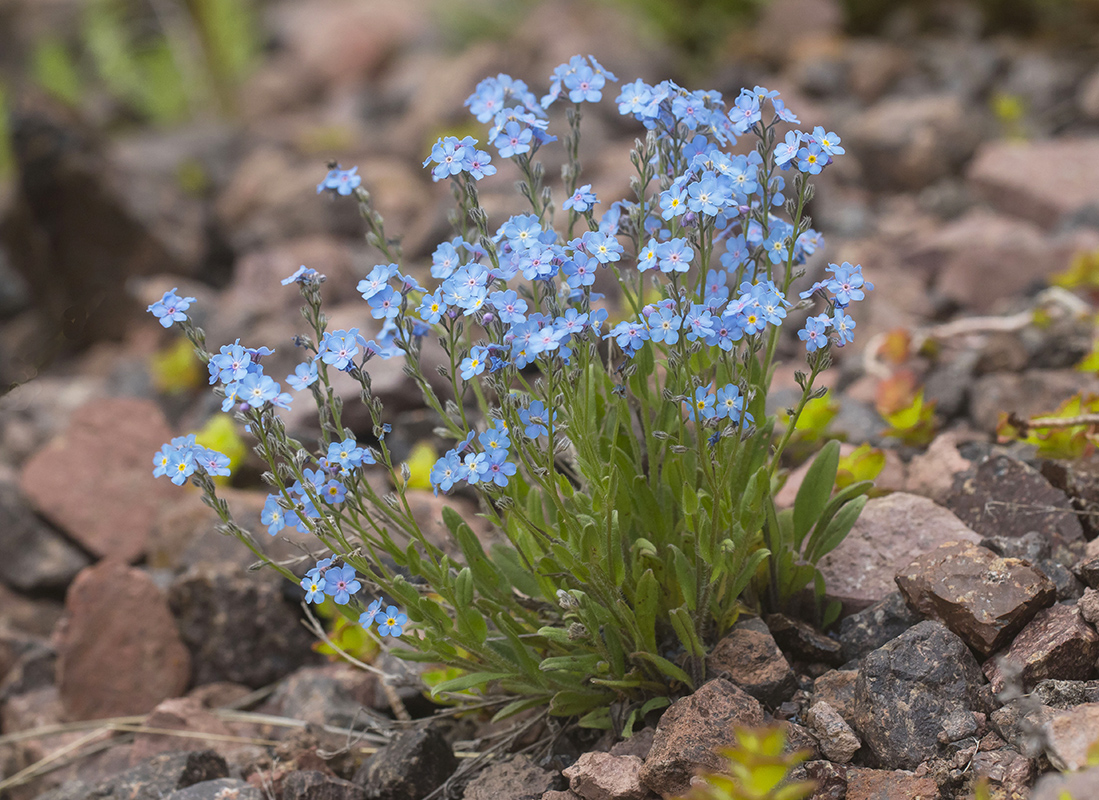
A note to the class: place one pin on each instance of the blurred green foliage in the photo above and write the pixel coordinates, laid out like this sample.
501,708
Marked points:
163,62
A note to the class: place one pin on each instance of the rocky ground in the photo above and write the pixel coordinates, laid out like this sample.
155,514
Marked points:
970,588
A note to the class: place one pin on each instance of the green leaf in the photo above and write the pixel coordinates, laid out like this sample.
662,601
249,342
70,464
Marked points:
684,628
685,576
471,623
507,560
467,682
584,664
690,499
820,544
570,703
646,601
599,719
815,490
665,667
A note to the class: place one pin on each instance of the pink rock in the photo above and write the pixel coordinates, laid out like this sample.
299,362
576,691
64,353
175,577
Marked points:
889,534
602,776
984,257
880,784
931,473
119,652
1070,734
1057,643
1041,181
96,481
692,730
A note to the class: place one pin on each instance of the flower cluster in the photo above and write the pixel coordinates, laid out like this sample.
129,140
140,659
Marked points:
181,458
452,156
326,484
620,446
490,465
844,287
240,373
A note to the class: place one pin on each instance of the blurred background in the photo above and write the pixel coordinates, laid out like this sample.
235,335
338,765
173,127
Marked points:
178,137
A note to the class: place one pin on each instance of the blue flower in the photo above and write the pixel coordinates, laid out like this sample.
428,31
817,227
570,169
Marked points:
305,375
391,623
447,471
334,492
787,150
603,247
499,468
811,159
170,308
513,140
340,583
273,515
703,405
180,466
386,304
664,325
339,348
847,283
814,334
582,199
511,308
646,259
376,280
451,157
303,276
231,364
844,327
828,142
320,568
342,181
730,404
212,462
432,307
674,255
366,619
535,419
475,362
314,589
349,454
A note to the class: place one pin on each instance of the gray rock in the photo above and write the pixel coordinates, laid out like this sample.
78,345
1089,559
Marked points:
897,139
33,556
1007,770
333,694
315,785
1079,479
881,784
837,688
602,776
1089,605
414,764
1066,694
519,778
1036,391
1005,497
803,642
907,687
872,627
838,741
218,789
149,780
238,626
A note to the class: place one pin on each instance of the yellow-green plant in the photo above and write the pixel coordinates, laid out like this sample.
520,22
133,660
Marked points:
758,769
